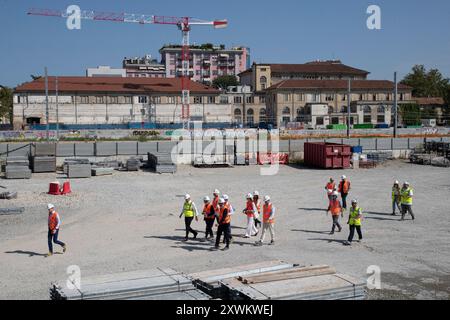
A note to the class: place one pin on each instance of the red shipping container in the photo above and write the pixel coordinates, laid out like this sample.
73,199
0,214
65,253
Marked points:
327,155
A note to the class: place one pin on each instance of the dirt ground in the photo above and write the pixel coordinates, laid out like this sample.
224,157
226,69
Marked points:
129,221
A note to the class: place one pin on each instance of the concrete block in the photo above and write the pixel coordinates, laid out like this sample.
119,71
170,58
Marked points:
84,149
127,148
65,150
106,149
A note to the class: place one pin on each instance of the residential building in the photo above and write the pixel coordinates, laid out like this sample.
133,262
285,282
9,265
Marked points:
262,76
436,104
143,67
111,100
318,103
207,62
105,71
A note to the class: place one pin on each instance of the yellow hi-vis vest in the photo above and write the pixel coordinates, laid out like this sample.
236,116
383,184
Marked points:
353,219
406,198
187,210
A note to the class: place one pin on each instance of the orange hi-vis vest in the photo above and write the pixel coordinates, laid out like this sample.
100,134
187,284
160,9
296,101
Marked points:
249,209
52,220
215,204
257,205
335,207
344,186
207,211
227,219
267,211
330,187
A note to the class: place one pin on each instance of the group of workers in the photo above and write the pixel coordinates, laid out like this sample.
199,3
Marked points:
220,210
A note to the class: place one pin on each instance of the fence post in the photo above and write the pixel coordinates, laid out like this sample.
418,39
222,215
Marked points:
409,145
376,144
392,144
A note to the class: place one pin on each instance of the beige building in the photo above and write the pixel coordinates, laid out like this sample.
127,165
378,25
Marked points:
111,100
262,76
318,103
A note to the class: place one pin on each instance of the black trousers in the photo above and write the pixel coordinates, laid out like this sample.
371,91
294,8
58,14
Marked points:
336,223
352,233
226,230
344,200
407,208
209,228
187,222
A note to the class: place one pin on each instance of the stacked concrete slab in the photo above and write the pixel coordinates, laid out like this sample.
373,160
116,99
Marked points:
44,158
99,171
154,284
77,168
133,164
161,162
17,167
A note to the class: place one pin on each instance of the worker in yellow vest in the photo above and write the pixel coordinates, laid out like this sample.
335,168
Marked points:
406,198
354,221
268,211
190,212
396,197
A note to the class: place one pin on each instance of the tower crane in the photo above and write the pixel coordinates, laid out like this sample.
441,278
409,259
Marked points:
183,23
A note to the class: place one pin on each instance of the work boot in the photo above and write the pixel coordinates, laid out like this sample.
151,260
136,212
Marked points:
226,248
393,214
258,243
340,229
331,233
64,248
195,235
272,242
49,254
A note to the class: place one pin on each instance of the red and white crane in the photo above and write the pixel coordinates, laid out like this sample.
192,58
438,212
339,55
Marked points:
183,23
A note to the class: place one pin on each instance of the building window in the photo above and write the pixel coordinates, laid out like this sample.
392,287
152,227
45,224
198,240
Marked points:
113,100
329,97
171,100
287,97
250,116
334,120
402,97
237,99
380,118
344,97
223,99
156,100
367,109
300,97
84,99
287,111
250,100
367,118
237,115
361,97
262,99
319,121
374,97
128,100
316,97
197,99
143,99
381,109
262,115
211,99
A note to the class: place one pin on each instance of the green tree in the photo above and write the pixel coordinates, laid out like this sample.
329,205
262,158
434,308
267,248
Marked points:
410,114
224,82
6,102
426,83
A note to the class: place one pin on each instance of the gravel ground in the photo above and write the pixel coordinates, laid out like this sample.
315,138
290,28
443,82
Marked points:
129,221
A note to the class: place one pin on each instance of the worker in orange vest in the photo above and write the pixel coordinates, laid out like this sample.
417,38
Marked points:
344,189
268,221
330,188
215,201
54,222
230,208
224,221
251,212
209,215
257,202
336,209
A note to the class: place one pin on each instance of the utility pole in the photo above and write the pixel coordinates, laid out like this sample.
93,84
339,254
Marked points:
57,110
349,95
46,105
395,105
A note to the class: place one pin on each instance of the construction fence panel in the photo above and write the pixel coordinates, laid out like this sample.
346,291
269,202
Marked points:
19,149
446,139
65,150
145,147
334,141
106,149
85,149
368,144
166,146
297,146
415,142
127,148
284,146
3,150
351,142
400,144
384,144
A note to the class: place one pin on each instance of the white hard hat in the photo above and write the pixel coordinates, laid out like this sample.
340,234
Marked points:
335,193
216,192
406,183
186,197
256,193
396,182
249,196
221,201
343,177
50,206
206,198
266,199
354,201
225,197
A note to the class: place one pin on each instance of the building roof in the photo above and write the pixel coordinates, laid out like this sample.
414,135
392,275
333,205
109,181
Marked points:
432,101
316,67
338,84
114,85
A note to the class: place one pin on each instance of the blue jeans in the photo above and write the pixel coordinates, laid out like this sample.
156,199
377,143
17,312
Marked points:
396,203
53,237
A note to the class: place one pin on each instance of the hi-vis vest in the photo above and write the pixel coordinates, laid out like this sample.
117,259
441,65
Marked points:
207,211
52,220
335,207
267,211
395,193
215,204
406,198
249,209
354,220
344,186
330,187
188,210
227,218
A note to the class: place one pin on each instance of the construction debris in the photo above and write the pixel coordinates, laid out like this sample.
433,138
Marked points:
8,195
11,211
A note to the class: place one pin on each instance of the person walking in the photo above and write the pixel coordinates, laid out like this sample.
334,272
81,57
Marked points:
54,222
344,189
268,221
190,212
224,223
230,208
330,187
406,195
257,202
354,221
251,212
336,210
396,197
215,200
209,215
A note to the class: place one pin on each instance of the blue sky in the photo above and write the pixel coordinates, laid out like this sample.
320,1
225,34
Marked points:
283,31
